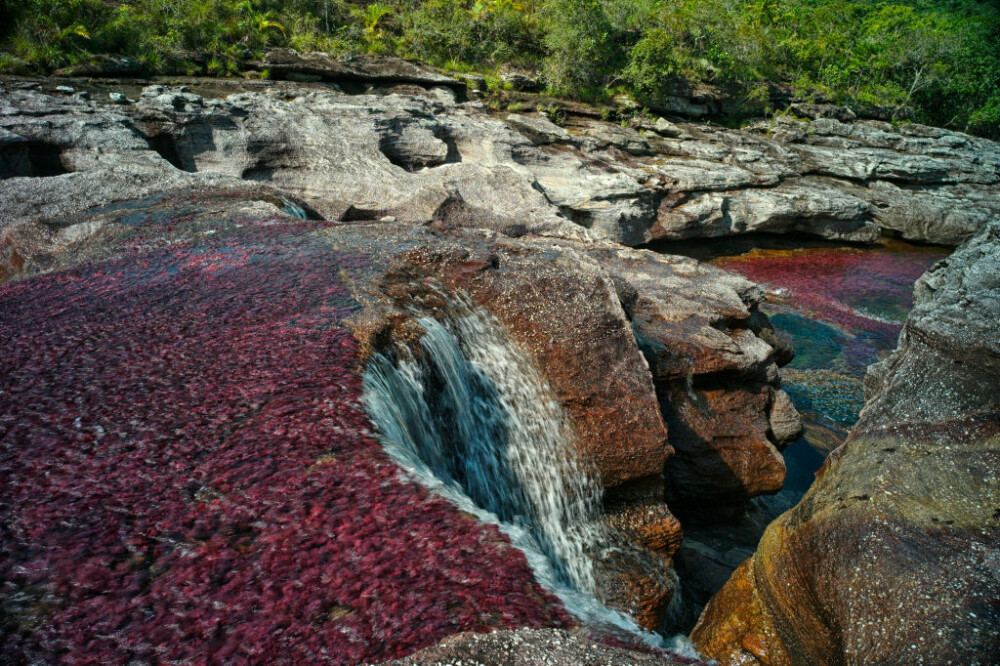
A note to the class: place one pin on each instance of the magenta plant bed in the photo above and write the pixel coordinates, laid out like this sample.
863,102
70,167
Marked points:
187,473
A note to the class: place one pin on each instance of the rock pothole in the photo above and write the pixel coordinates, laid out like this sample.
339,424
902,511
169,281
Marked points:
31,159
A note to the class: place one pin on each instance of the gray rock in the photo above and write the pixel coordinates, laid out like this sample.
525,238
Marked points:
521,82
524,647
65,89
905,511
810,206
419,154
664,127
284,62
605,135
118,98
947,364
539,129
815,111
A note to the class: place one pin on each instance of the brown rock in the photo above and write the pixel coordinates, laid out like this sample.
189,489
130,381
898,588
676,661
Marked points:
636,581
715,377
550,297
786,424
891,557
638,510
721,439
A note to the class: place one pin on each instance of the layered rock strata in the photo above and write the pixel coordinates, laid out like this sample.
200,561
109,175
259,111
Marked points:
892,554
407,146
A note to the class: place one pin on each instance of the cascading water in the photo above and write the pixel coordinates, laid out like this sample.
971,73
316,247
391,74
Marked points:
471,418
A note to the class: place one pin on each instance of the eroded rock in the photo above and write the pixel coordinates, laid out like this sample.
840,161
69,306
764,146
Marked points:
892,554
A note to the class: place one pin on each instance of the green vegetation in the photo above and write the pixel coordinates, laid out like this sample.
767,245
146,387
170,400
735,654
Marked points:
941,57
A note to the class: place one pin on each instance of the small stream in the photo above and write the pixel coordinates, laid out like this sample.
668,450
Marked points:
842,307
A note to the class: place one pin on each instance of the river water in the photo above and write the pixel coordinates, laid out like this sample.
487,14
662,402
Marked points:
841,306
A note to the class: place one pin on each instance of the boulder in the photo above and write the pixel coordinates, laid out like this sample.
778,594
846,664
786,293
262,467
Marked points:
520,82
816,111
539,129
715,378
811,206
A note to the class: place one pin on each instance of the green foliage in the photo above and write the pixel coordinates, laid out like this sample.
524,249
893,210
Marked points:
941,57
584,48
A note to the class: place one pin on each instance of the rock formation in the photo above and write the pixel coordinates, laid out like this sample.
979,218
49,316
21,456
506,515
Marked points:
892,554
378,182
407,146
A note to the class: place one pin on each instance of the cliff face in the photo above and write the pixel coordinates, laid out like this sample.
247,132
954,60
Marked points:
390,190
892,555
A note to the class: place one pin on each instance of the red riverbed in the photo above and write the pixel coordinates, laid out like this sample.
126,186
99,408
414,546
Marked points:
187,473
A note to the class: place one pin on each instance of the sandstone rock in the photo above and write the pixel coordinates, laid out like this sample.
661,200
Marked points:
812,207
891,555
664,127
530,285
606,135
520,82
947,215
721,439
714,376
785,422
539,129
422,155
634,581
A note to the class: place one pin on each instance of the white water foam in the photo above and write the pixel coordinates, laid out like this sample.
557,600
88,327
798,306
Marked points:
471,419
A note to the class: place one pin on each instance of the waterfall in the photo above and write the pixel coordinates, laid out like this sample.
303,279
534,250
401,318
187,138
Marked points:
470,417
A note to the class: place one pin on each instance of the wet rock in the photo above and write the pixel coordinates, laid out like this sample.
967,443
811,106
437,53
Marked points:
118,98
638,510
722,444
715,378
549,295
891,555
531,646
636,581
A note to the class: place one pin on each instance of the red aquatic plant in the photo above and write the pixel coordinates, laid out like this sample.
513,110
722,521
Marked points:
187,472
